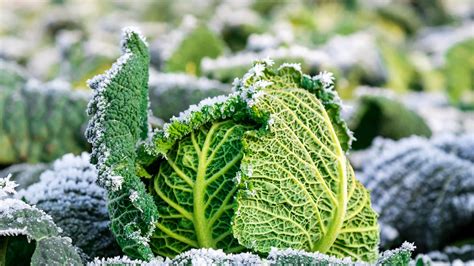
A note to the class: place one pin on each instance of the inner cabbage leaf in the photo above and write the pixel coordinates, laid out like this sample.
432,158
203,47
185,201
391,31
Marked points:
194,190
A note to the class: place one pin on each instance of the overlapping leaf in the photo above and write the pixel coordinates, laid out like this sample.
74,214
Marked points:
119,121
299,188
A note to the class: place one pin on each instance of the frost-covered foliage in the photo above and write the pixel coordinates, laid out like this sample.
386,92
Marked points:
214,257
439,114
177,51
28,235
379,115
12,76
193,168
119,120
68,192
201,257
464,252
356,54
172,93
7,186
40,122
423,189
437,41
125,261
25,174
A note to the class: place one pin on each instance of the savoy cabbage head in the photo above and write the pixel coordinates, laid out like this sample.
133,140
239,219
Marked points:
423,190
69,193
39,121
262,167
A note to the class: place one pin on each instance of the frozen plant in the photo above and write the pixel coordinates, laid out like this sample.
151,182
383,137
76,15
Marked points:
40,121
27,234
423,189
69,193
172,190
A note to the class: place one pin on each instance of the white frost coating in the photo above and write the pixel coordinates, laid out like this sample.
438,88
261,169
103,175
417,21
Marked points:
115,182
313,58
198,257
186,115
326,78
7,186
14,232
275,254
54,87
258,69
296,66
11,66
166,45
124,260
161,82
127,33
8,206
406,246
69,173
238,177
258,42
133,196
435,42
261,84
234,14
99,84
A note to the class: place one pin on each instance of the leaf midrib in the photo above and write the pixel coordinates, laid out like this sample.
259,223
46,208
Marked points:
203,232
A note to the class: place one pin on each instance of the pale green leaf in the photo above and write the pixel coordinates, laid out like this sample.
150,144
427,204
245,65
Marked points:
299,190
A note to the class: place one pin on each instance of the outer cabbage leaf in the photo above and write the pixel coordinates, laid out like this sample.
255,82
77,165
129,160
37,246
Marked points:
299,189
55,251
17,220
119,121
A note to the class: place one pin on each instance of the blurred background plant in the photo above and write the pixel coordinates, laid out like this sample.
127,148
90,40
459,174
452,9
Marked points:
402,67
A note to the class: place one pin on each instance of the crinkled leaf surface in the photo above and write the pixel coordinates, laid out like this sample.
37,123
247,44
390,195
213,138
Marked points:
55,251
119,121
43,245
300,190
195,189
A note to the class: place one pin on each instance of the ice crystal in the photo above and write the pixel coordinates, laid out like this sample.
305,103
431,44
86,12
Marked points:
7,186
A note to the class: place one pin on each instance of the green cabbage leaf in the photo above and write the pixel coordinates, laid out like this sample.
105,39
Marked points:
298,188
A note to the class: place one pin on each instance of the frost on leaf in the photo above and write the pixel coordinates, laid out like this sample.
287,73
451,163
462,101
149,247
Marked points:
69,193
214,257
7,186
303,192
40,121
119,120
423,189
19,220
